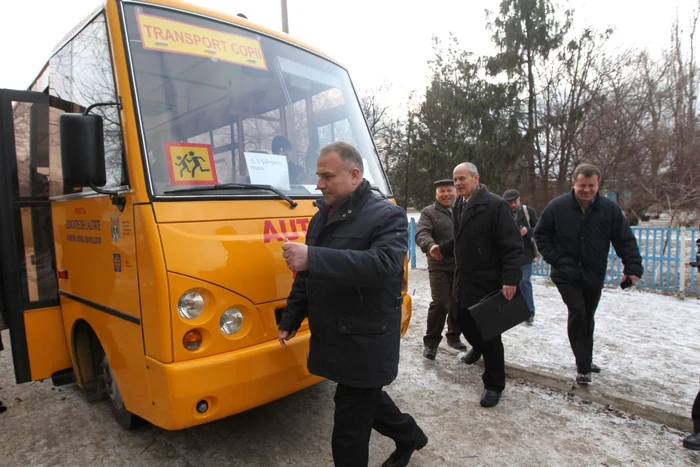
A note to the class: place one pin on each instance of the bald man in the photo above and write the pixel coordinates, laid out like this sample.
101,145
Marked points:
488,250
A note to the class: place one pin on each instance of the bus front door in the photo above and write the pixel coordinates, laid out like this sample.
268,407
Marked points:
27,260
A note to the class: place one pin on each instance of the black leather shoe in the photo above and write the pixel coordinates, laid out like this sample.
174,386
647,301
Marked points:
583,378
402,454
595,368
471,357
458,344
692,442
490,398
429,353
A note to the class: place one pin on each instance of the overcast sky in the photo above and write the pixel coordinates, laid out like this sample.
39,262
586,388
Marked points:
377,40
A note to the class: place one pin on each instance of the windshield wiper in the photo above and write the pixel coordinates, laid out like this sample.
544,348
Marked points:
241,186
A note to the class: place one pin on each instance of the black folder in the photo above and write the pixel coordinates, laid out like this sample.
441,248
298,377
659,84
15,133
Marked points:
495,315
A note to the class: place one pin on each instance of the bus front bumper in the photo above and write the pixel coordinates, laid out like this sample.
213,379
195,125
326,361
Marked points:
228,383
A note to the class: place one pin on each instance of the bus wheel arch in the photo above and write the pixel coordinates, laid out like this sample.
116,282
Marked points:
87,350
94,374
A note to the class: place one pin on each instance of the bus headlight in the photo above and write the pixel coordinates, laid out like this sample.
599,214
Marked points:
190,304
231,321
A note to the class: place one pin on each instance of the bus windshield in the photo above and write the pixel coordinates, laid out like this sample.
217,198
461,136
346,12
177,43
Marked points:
220,104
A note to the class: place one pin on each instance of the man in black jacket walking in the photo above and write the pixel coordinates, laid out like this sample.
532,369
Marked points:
574,235
435,227
350,273
488,250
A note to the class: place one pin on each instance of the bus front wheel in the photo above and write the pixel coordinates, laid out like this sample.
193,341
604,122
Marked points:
125,418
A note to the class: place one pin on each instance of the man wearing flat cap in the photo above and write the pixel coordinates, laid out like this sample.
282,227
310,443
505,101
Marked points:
435,227
526,218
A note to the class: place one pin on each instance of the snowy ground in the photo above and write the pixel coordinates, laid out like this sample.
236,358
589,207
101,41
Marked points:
647,344
533,426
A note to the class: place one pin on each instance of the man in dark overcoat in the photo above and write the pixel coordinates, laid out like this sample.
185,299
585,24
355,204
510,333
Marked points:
488,249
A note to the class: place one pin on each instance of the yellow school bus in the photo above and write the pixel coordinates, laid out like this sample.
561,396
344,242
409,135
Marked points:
149,177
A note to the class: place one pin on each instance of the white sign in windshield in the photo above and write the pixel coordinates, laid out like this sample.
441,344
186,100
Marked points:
268,169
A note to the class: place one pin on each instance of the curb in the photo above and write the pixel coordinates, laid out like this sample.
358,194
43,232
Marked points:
643,409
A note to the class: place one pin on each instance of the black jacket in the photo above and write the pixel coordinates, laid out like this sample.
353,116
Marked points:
576,244
530,235
487,244
352,290
435,227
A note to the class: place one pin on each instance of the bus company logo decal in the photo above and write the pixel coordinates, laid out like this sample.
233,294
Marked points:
114,228
279,229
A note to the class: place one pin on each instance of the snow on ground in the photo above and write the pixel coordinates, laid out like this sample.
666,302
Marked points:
647,344
532,426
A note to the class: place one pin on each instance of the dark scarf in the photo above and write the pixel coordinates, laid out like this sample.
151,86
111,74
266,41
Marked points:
478,193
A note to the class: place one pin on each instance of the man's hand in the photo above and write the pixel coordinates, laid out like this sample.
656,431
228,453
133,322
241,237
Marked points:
634,279
508,291
523,231
296,255
284,336
435,253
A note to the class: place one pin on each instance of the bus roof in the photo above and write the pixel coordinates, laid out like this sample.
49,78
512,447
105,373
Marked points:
190,8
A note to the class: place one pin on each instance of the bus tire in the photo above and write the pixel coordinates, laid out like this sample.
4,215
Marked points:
125,418
88,359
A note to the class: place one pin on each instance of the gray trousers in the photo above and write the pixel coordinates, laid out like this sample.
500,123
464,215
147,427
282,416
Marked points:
443,307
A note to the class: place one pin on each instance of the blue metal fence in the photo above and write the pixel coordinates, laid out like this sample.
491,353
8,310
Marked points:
412,243
665,253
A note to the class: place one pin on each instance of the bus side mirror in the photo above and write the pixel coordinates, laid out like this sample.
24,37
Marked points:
82,150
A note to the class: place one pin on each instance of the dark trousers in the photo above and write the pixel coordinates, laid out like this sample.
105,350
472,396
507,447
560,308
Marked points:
357,411
695,414
443,306
582,303
494,376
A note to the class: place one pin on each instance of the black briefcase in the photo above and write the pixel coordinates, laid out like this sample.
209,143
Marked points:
495,315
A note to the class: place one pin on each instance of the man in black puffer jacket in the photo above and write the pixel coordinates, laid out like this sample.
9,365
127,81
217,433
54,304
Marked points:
574,235
350,273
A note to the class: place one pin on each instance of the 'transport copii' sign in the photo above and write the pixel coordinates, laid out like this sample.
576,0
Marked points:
167,35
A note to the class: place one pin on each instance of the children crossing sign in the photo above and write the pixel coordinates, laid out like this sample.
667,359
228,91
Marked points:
191,164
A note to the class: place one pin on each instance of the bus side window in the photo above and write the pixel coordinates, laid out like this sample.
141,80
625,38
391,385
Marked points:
80,75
